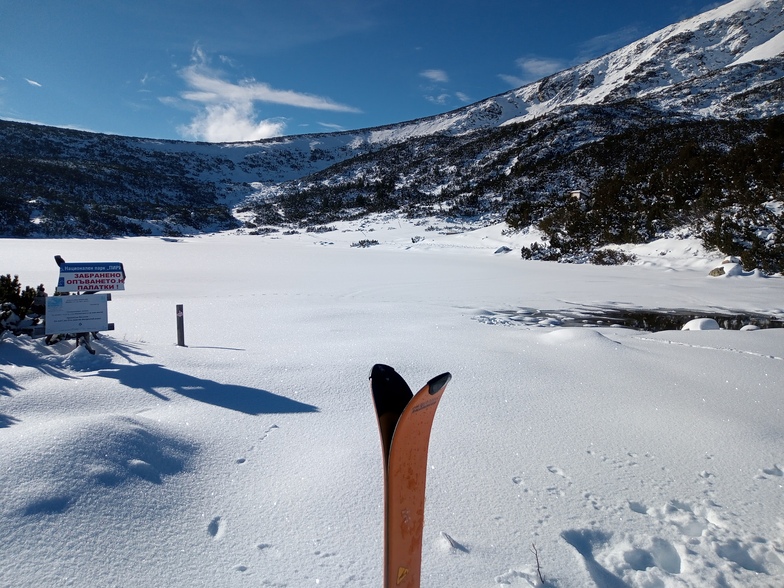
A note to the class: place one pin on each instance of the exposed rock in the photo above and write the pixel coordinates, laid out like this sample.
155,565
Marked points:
728,268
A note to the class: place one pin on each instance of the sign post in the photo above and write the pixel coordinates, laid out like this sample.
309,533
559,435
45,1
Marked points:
180,326
82,315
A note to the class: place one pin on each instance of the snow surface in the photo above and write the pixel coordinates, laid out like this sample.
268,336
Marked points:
251,457
768,50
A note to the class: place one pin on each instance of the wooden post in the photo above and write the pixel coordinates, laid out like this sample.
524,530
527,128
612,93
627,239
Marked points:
180,326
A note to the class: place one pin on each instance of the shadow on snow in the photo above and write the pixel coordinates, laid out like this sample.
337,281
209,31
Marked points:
152,378
17,356
7,420
584,541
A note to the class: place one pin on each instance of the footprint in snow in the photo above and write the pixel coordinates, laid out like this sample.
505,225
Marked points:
560,473
638,507
660,553
556,471
242,460
48,505
217,528
269,550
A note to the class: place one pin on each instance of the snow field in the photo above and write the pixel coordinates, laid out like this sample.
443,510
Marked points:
251,457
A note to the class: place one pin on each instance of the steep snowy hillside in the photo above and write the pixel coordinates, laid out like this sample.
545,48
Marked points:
673,62
700,55
725,64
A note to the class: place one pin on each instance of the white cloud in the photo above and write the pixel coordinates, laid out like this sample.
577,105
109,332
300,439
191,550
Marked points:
514,81
331,126
437,76
437,90
225,123
539,66
226,111
33,83
227,60
208,88
533,68
441,99
602,44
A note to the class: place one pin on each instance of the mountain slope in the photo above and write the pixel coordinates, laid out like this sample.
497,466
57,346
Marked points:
657,69
486,158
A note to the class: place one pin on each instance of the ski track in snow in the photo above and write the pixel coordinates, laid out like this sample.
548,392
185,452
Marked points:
712,348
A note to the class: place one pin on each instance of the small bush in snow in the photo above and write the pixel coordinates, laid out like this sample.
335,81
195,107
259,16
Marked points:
16,303
319,229
264,231
365,243
610,257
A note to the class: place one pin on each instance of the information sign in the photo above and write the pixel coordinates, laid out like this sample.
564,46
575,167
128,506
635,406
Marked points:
77,314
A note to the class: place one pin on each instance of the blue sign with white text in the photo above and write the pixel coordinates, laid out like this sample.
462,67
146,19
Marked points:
91,267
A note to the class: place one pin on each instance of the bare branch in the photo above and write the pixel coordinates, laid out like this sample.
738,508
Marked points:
538,565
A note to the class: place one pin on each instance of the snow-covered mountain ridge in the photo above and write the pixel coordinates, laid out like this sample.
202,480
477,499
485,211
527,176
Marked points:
721,56
724,64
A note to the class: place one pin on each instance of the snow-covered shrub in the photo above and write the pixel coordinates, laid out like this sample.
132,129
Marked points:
610,257
16,303
365,243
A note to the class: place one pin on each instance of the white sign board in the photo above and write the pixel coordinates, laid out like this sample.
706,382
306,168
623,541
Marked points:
91,277
76,314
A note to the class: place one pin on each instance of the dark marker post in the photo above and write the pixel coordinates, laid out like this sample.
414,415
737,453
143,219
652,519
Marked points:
180,326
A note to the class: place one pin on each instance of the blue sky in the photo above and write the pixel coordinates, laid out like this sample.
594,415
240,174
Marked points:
242,70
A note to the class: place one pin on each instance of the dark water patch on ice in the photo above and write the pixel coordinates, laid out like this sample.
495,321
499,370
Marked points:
651,320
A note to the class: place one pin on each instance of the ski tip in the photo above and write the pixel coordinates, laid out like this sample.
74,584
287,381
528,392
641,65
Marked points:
438,383
380,370
383,373
390,391
386,382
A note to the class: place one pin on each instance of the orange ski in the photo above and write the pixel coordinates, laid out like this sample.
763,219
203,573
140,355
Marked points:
404,422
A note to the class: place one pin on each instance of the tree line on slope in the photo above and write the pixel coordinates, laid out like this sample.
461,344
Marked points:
646,174
727,183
